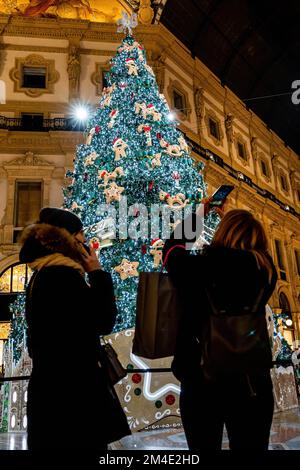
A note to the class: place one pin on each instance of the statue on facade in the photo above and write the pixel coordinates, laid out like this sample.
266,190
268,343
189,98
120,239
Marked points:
199,102
74,71
229,126
254,147
159,69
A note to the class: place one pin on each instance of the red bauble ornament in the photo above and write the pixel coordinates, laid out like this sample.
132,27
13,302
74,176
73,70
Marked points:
151,185
144,249
158,135
97,129
136,378
170,399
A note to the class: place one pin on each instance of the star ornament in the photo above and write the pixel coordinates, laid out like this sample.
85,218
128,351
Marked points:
127,269
113,193
127,23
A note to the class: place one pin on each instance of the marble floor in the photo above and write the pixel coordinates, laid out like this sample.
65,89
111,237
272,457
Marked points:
285,435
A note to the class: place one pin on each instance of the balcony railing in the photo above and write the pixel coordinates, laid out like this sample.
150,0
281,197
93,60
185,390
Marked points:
43,125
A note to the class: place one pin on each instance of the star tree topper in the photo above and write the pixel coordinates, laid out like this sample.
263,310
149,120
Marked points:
127,23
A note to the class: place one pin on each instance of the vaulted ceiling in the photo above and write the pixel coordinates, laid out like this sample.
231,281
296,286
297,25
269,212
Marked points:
253,46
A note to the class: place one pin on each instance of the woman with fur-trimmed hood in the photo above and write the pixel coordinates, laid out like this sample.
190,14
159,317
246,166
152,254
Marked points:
70,402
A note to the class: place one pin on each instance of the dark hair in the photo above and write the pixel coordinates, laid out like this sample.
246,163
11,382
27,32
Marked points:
239,229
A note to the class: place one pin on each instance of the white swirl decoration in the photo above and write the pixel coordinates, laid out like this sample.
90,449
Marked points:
159,415
152,396
127,397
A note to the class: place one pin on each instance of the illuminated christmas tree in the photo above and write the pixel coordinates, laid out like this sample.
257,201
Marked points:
133,151
16,343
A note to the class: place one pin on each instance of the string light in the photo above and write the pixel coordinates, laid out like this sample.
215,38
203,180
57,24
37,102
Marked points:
131,131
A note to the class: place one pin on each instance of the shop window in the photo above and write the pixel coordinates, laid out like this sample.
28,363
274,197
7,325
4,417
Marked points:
105,83
241,150
34,77
28,202
178,100
214,128
264,168
283,182
15,278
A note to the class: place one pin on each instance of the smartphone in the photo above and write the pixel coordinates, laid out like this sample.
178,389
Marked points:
219,196
87,248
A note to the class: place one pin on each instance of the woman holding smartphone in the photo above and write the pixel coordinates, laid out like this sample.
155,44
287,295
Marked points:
71,404
238,266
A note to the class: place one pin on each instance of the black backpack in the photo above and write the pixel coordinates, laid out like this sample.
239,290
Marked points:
234,341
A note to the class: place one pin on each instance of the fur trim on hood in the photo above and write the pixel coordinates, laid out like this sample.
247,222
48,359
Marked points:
40,240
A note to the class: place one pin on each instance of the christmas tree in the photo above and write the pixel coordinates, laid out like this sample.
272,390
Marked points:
285,353
134,155
16,343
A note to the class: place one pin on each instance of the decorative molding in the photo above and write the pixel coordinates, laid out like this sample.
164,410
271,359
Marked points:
145,12
174,72
210,114
29,159
52,142
262,158
33,48
175,85
34,60
281,173
240,139
293,179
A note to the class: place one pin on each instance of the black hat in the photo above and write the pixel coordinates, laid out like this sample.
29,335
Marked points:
61,218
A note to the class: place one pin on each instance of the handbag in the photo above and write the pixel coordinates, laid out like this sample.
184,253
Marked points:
157,315
110,363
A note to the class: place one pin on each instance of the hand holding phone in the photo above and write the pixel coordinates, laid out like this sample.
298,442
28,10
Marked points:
90,259
87,248
219,196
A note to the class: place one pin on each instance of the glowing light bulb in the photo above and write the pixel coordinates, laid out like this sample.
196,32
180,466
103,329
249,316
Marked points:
81,113
171,116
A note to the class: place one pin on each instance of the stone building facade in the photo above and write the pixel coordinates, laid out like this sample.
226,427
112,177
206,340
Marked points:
237,148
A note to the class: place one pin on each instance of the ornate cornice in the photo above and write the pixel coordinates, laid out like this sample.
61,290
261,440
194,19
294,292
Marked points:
52,142
29,159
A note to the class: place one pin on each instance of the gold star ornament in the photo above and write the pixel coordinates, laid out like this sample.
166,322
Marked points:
113,192
127,269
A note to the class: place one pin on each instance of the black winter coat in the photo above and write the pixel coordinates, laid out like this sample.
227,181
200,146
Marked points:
70,402
241,280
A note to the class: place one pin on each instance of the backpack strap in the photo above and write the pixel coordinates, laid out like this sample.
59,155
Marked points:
217,311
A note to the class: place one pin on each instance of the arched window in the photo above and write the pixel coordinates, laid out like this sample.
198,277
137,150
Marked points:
284,304
14,278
